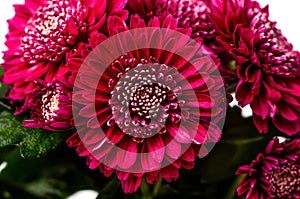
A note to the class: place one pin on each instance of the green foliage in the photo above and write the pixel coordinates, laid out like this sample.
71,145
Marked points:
1,71
3,90
57,175
3,87
33,143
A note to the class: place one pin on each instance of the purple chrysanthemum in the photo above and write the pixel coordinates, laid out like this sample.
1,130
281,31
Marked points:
43,32
273,174
171,140
50,106
267,65
189,13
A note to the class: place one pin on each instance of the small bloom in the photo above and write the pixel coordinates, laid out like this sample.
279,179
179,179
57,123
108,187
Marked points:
267,65
43,32
273,174
50,106
163,105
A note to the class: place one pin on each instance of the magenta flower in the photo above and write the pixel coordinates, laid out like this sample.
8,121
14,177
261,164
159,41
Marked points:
273,174
171,140
189,13
43,32
50,106
192,14
267,65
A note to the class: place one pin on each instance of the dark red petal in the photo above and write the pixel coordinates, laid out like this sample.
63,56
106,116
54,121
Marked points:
169,173
260,123
244,93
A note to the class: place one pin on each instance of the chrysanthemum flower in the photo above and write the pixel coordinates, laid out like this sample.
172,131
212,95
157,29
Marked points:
50,106
189,13
163,104
267,65
192,14
43,32
273,174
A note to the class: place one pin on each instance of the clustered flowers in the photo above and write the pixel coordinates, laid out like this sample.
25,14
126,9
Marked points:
152,111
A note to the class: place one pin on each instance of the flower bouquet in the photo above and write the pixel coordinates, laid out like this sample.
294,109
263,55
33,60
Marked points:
140,90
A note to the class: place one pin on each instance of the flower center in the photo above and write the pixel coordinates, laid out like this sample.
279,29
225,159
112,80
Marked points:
285,180
145,103
50,102
141,104
50,33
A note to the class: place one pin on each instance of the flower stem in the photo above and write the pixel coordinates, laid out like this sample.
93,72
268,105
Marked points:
5,106
232,190
157,187
145,190
244,141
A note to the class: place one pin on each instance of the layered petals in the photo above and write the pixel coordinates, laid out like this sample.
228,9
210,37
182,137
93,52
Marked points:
50,106
148,119
267,65
42,33
273,174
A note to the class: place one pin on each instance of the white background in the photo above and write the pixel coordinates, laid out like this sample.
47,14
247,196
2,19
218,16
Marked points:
286,13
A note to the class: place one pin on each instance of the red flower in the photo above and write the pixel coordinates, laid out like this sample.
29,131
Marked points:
43,32
192,14
50,106
267,65
189,13
274,174
163,126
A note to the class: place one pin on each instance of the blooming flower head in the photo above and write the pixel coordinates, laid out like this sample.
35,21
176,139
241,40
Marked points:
267,65
189,13
151,122
273,174
50,106
43,32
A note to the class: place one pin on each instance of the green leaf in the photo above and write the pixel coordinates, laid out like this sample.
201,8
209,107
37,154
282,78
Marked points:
1,71
3,90
10,129
37,143
3,87
33,143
